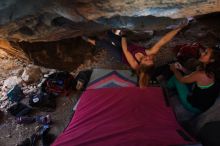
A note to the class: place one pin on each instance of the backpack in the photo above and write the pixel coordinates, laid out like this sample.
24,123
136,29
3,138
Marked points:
187,51
58,83
42,100
84,77
209,134
187,55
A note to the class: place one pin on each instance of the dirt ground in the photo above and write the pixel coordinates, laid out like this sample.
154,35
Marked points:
205,30
12,133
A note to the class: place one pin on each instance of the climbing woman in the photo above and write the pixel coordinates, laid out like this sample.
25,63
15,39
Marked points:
138,58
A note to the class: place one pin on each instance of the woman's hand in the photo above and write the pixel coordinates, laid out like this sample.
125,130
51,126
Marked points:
148,52
179,66
123,33
173,67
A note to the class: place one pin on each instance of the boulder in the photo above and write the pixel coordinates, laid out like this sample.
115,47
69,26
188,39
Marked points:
18,72
50,20
46,30
31,74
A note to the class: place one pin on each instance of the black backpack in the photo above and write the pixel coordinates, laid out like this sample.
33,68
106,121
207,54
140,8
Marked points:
43,101
210,134
83,76
58,83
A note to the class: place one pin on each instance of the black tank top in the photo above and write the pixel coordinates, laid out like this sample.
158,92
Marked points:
203,99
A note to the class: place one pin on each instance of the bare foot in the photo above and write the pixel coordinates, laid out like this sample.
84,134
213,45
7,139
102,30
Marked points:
118,32
182,24
91,41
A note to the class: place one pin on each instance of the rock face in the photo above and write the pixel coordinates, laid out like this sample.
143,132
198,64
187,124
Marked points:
10,82
31,74
46,31
50,20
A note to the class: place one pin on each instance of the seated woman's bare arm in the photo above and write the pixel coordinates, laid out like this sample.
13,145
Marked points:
133,63
191,78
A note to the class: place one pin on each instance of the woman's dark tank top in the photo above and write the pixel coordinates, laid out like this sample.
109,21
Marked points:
133,49
203,99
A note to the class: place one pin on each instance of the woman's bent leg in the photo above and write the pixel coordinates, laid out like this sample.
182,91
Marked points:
111,49
115,39
183,93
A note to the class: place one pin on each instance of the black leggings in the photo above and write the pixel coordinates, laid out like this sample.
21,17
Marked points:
116,49
163,70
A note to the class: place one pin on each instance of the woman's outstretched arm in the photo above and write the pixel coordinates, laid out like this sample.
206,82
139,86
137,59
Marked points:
165,39
133,63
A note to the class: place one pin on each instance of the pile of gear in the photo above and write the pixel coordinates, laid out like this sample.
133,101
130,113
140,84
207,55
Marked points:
22,95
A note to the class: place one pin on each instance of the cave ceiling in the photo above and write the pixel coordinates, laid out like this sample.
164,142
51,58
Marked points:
53,20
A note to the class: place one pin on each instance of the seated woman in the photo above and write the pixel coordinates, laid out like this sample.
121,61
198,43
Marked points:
138,58
206,88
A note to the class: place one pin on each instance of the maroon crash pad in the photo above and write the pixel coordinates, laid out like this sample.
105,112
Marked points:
123,116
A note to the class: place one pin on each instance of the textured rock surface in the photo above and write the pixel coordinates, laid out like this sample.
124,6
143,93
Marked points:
68,54
206,31
46,31
31,74
49,20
